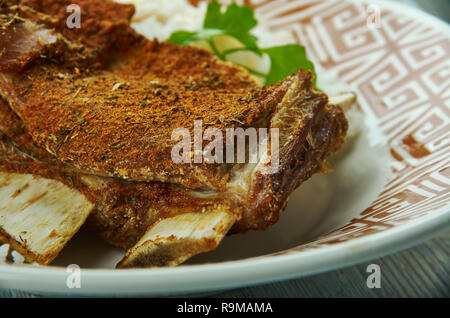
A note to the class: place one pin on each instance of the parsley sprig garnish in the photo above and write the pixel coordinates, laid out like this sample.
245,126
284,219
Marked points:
238,21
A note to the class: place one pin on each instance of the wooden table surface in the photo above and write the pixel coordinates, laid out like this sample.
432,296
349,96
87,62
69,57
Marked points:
421,271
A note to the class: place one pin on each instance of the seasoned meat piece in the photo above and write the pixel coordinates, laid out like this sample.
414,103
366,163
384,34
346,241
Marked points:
105,24
128,212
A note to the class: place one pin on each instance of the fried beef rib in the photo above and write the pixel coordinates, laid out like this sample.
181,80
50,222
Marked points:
109,113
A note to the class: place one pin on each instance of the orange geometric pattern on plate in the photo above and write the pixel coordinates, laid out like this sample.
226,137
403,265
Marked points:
401,73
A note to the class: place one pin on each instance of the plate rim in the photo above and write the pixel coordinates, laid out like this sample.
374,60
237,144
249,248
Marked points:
244,272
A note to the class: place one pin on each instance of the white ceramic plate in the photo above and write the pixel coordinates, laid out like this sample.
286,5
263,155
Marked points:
390,188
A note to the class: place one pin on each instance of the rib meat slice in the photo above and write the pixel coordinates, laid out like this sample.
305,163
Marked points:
170,223
261,198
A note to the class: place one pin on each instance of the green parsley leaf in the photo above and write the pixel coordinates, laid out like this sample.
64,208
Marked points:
286,60
236,21
183,37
